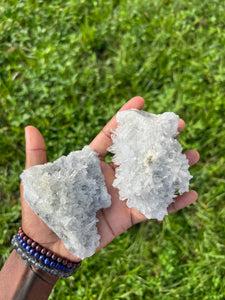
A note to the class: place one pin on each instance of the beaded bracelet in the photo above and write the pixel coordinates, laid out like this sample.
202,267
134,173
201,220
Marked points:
42,258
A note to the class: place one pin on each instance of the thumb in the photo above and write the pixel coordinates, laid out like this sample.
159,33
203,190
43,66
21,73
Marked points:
35,147
35,155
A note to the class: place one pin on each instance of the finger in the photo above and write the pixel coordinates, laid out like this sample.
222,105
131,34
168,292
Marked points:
182,201
35,147
192,156
181,125
136,217
35,155
32,225
103,140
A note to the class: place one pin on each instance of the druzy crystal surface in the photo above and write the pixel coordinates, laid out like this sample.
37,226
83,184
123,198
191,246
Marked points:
151,167
66,194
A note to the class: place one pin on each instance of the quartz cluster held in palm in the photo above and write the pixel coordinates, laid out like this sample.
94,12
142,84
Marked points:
67,193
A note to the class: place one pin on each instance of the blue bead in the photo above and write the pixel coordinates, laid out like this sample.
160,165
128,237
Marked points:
57,266
62,268
24,244
36,255
18,236
28,248
52,264
47,261
21,241
32,251
42,258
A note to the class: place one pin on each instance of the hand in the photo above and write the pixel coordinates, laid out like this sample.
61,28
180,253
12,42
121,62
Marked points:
113,220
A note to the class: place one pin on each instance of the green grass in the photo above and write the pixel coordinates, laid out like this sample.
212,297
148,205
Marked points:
66,67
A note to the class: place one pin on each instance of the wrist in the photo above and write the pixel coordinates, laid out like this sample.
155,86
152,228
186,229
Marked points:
44,276
41,258
43,236
20,281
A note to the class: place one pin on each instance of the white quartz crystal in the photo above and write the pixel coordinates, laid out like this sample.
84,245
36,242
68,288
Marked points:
66,194
151,168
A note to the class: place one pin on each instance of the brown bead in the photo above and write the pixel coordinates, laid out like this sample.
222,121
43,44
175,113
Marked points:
49,254
38,248
59,259
69,265
74,266
33,244
54,256
25,238
22,235
64,262
43,251
29,241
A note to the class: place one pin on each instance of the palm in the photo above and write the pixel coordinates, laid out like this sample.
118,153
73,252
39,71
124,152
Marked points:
113,220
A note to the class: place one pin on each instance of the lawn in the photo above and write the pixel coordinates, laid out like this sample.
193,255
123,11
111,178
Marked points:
66,67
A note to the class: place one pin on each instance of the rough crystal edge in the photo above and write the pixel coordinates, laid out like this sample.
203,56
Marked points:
122,118
107,203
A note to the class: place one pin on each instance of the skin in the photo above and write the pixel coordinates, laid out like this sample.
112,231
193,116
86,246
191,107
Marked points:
18,281
113,220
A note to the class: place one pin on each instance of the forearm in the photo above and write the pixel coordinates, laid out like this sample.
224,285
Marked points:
18,281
